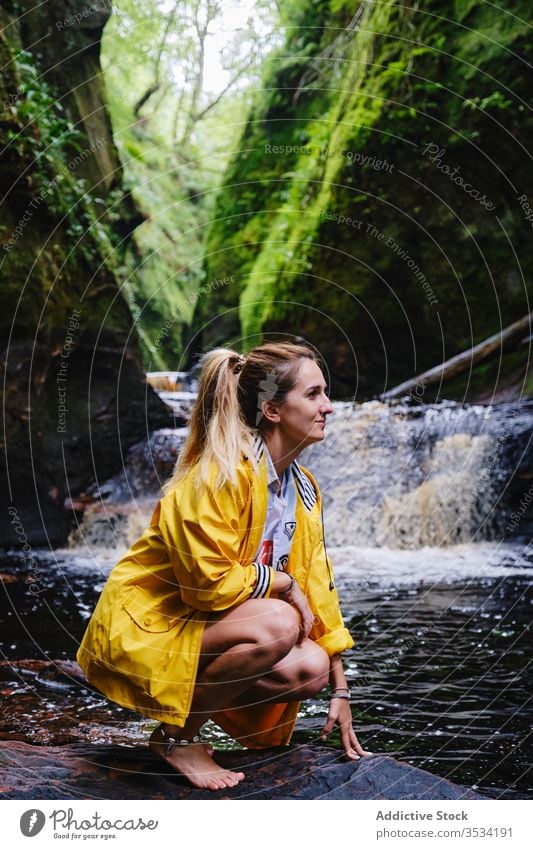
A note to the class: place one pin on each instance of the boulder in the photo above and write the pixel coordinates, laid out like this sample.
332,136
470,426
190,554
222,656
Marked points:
298,772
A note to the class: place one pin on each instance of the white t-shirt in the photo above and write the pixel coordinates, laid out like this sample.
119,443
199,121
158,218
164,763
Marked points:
280,521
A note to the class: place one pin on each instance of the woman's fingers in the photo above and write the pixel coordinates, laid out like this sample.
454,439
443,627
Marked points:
341,715
355,745
331,721
299,601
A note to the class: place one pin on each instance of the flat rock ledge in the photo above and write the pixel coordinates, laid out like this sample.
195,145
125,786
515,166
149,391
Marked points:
81,771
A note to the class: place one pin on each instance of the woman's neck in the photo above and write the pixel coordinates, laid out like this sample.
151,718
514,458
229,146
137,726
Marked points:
282,455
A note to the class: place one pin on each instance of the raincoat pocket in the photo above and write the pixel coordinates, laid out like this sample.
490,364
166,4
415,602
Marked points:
139,604
142,638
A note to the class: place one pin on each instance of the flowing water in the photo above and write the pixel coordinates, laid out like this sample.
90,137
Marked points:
438,601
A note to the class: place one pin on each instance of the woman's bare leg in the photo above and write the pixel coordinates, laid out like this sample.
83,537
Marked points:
302,673
239,647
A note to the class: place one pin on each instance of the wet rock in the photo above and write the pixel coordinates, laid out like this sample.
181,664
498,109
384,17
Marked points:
67,671
305,772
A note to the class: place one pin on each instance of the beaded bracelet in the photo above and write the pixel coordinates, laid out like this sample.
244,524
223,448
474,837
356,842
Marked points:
339,696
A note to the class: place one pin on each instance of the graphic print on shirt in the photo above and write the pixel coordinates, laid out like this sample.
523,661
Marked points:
264,555
281,565
289,529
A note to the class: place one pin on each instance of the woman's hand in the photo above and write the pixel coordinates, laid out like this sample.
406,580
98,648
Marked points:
299,601
340,714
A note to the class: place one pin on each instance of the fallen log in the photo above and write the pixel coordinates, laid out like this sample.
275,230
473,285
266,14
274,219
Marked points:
461,362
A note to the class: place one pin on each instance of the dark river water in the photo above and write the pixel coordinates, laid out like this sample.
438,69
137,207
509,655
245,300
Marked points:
441,673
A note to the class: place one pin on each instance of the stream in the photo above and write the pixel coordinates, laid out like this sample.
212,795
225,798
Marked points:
433,571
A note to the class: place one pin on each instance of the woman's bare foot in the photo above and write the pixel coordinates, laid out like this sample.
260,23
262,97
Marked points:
194,761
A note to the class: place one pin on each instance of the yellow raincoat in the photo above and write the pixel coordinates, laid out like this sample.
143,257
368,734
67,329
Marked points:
142,644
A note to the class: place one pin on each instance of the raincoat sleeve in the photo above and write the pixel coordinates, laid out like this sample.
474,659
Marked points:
328,628
203,535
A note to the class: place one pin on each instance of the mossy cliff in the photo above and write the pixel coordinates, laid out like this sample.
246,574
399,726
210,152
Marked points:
75,392
378,202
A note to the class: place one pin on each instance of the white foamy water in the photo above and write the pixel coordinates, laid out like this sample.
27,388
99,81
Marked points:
364,567
388,567
407,477
398,478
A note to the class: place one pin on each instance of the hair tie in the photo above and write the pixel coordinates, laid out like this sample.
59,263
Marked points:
240,364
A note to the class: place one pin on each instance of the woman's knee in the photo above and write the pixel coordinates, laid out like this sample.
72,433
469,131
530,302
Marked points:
271,625
310,669
278,626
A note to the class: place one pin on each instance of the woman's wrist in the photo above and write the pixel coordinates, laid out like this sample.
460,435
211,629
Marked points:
337,678
340,693
289,588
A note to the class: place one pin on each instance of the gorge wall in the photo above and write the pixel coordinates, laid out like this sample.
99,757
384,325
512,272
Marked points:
380,202
75,391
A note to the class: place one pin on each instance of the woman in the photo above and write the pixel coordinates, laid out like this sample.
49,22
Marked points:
225,608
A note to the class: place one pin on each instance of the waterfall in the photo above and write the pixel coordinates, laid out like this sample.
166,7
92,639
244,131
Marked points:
400,477
432,475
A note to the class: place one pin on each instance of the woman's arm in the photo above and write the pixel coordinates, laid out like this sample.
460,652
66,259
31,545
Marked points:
337,677
203,531
340,712
287,588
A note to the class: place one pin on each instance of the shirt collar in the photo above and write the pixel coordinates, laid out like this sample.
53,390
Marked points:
303,484
273,480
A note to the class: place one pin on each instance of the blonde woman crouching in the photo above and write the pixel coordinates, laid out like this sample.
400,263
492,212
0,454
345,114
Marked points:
225,608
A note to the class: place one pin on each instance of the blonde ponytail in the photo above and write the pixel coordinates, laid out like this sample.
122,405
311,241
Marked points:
226,416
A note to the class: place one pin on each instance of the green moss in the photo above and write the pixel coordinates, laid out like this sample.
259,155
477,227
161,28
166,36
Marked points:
429,269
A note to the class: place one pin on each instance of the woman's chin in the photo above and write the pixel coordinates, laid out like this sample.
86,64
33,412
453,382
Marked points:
316,436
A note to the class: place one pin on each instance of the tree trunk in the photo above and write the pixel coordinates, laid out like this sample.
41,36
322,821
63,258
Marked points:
468,359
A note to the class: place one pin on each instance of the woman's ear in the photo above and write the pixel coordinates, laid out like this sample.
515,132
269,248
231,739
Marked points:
270,411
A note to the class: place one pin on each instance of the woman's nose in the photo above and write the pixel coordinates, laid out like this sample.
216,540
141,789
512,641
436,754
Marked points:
327,406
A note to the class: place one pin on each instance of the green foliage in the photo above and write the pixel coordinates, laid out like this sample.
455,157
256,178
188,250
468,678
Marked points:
462,8
46,131
173,160
50,146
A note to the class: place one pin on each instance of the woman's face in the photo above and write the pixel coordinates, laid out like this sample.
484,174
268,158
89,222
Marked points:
302,415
